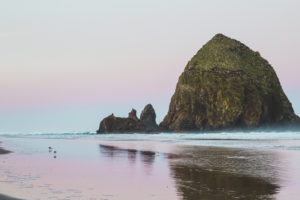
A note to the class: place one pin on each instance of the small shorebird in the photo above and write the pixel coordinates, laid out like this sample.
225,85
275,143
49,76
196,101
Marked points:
54,152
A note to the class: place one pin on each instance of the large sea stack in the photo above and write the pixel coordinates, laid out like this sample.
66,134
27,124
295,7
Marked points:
227,85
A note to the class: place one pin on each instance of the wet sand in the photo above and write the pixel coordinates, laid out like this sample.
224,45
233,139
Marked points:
85,169
4,197
215,173
218,173
3,151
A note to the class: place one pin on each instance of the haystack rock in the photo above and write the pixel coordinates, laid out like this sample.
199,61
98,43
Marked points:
225,85
131,124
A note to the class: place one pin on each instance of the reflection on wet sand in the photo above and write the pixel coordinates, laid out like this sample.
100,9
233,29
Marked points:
218,173
132,155
111,151
196,183
146,157
212,173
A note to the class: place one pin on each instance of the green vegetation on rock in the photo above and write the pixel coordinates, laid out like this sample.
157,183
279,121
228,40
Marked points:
225,85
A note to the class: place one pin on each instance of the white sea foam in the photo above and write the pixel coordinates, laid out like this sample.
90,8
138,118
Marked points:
261,140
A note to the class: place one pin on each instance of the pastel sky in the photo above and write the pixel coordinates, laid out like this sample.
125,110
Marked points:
66,64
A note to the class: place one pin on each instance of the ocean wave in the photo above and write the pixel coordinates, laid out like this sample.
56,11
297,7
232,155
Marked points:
47,134
164,137
253,140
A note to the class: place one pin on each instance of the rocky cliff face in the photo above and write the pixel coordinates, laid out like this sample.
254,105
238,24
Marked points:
225,85
131,124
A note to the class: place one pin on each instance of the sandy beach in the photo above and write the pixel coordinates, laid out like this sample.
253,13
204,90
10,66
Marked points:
93,168
4,197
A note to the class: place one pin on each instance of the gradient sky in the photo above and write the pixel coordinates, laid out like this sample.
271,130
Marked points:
66,64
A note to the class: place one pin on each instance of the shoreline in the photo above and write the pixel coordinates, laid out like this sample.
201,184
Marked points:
230,130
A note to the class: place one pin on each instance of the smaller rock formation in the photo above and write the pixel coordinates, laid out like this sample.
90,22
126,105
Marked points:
148,118
112,124
132,115
131,124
